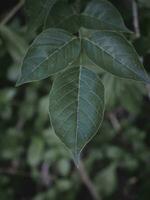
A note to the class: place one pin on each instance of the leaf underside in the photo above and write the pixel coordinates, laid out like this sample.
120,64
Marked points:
76,107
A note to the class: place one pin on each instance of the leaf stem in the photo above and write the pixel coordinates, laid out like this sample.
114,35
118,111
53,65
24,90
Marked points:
86,180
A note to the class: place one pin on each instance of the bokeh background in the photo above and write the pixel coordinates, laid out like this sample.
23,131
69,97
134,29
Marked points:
34,164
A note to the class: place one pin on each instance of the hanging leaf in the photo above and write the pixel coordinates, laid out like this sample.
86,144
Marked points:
51,51
112,52
76,107
77,95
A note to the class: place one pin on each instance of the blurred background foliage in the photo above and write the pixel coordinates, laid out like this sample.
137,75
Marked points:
34,165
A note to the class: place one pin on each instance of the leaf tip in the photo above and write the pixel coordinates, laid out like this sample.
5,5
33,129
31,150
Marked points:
19,82
128,31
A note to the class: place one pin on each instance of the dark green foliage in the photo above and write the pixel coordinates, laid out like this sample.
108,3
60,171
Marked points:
55,50
34,164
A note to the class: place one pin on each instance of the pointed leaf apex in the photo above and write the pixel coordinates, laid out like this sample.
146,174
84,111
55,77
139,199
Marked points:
20,81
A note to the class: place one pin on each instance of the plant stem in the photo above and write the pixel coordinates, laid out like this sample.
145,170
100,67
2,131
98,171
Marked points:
137,32
13,12
88,183
135,19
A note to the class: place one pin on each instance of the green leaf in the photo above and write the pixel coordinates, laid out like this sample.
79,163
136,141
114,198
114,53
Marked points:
51,51
112,52
101,14
98,15
76,107
37,12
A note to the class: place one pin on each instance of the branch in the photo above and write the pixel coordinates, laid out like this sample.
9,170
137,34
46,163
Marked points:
135,19
137,32
13,12
88,183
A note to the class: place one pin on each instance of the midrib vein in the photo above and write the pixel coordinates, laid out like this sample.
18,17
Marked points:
78,99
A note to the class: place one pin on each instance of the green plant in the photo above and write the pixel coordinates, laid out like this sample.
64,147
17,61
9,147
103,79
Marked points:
78,41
